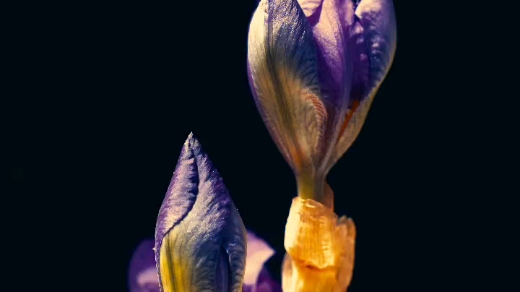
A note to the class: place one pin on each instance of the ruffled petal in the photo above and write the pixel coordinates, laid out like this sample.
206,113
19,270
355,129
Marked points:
258,252
377,18
330,23
374,36
142,274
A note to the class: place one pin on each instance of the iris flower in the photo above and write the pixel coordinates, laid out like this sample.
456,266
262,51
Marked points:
200,240
314,68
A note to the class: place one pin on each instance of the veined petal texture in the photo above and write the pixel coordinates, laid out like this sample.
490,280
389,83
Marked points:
283,77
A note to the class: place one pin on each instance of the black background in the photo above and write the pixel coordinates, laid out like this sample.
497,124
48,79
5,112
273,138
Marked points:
120,85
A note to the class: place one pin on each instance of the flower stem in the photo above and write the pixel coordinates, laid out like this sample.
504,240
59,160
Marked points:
310,187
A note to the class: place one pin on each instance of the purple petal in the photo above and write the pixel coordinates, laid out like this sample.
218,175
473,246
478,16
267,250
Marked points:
258,252
181,194
379,29
283,77
374,36
264,284
142,272
330,22
334,67
360,64
268,286
257,278
199,228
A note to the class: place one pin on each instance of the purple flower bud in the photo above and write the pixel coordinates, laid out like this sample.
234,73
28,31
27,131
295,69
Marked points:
314,67
200,240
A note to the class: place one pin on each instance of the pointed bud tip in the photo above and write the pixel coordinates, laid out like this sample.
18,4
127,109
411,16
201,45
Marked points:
191,137
191,141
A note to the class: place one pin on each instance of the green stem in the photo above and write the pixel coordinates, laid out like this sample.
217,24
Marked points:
310,187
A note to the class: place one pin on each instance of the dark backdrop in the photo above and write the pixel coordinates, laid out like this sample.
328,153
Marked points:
127,82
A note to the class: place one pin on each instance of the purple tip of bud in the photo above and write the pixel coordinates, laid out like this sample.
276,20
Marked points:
182,191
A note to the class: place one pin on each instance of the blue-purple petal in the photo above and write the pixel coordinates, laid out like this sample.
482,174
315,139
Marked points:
264,283
142,274
258,252
360,65
374,36
332,44
331,22
377,18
